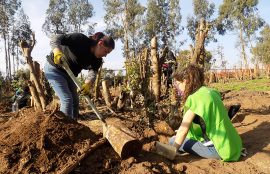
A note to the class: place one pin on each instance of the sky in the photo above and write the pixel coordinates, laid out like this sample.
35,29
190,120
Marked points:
36,11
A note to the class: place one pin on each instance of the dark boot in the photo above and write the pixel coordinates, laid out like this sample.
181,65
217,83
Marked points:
233,110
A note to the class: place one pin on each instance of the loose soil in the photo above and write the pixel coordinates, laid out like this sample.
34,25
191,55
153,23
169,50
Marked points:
37,142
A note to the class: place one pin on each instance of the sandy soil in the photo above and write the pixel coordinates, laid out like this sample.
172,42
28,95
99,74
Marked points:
34,142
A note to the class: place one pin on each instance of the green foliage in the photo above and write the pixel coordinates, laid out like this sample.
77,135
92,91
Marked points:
21,30
56,21
133,75
163,20
235,14
20,78
68,16
202,9
78,14
252,85
183,59
207,60
119,77
8,9
262,49
241,16
2,80
124,21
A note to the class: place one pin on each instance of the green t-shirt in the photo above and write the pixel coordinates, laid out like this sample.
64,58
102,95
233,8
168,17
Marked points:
207,103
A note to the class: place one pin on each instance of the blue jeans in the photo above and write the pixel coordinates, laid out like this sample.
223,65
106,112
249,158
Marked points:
64,88
197,148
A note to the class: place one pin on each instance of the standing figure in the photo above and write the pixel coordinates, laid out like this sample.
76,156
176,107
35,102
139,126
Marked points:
80,52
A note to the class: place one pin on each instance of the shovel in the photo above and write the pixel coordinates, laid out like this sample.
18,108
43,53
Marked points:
121,139
166,150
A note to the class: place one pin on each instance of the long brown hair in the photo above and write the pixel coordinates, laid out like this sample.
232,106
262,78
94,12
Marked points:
194,77
107,40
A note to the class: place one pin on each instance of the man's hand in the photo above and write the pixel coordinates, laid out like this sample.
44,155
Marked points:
58,54
85,89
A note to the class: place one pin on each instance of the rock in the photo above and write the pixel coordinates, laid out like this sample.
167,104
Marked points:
155,170
163,128
180,167
149,133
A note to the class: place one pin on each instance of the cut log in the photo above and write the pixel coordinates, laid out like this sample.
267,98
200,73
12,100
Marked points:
106,93
122,140
155,68
121,100
27,49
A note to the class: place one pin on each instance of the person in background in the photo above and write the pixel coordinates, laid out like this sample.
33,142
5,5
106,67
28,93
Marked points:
80,52
22,96
206,129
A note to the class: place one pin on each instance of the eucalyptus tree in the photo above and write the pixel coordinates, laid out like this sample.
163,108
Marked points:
262,47
163,20
202,9
241,16
124,20
56,18
8,9
201,29
79,11
21,30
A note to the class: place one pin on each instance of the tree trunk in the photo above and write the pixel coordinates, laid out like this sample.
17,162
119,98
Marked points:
27,49
145,75
155,69
6,55
17,58
96,87
35,101
36,67
256,71
13,63
9,59
244,55
106,93
126,26
198,53
121,100
212,78
37,87
267,71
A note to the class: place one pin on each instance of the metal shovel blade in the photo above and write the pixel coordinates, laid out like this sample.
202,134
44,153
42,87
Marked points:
166,150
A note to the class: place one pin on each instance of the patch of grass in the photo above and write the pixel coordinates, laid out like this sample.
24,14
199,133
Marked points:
251,85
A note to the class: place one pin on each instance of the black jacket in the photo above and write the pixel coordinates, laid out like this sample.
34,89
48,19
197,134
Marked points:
76,48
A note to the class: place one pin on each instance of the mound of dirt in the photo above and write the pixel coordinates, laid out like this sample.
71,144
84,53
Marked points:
41,143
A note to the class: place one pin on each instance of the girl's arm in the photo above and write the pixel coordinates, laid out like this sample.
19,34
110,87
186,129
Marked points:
183,130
